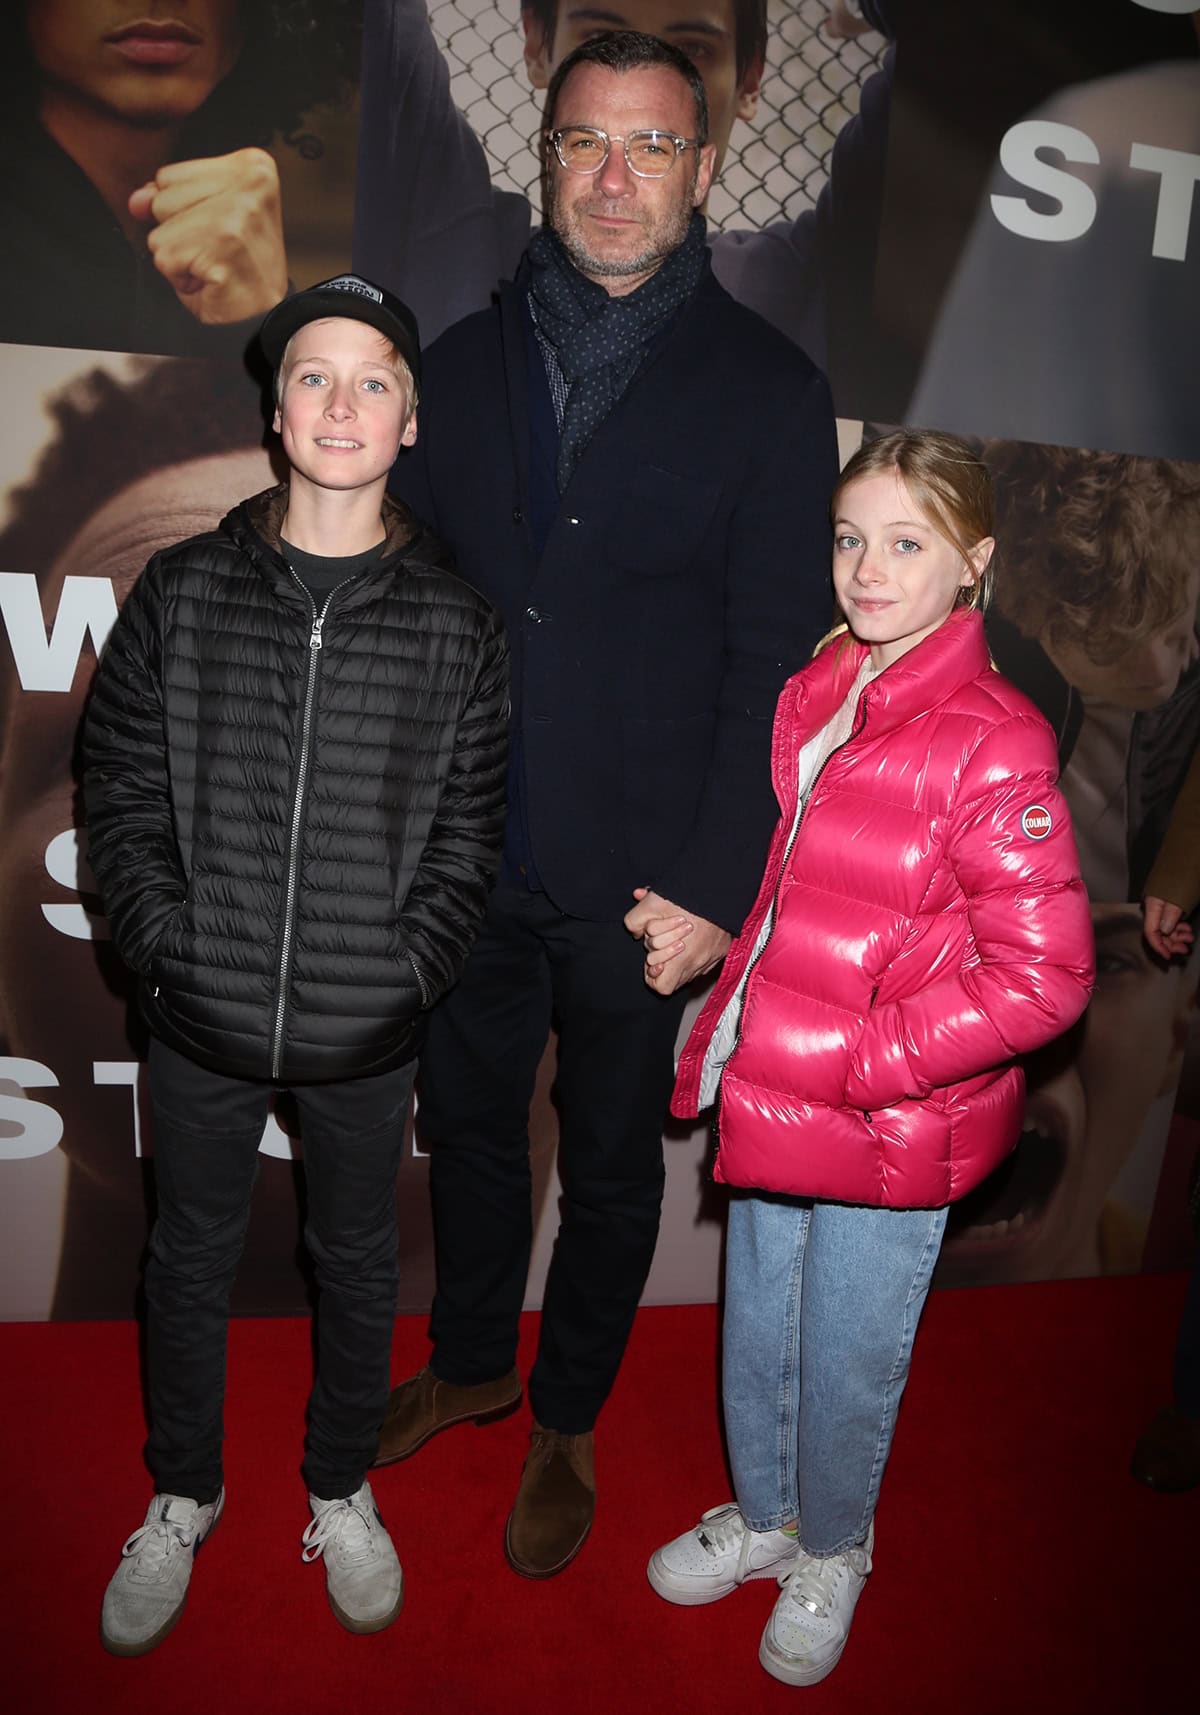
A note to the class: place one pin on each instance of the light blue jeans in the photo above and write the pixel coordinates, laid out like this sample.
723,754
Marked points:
822,1302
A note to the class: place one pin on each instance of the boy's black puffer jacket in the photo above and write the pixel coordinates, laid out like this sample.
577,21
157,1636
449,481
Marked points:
294,819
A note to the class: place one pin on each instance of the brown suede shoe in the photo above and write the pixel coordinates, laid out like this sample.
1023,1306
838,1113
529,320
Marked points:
555,1503
423,1405
1167,1456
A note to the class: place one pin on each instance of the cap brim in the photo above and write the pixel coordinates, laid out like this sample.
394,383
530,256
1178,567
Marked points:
292,314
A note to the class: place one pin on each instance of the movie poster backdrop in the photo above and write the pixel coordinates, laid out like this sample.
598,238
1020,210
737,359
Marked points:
976,218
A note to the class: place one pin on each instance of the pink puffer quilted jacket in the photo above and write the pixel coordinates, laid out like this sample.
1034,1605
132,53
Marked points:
930,925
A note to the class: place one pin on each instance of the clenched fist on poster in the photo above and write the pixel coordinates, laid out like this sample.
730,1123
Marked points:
217,233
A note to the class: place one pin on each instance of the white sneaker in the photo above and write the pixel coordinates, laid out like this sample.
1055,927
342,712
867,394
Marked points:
146,1593
810,1622
363,1579
708,1562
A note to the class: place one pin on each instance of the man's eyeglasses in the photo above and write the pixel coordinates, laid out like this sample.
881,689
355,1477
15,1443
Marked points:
649,154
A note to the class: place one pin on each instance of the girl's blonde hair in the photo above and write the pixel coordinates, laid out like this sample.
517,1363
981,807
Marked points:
949,482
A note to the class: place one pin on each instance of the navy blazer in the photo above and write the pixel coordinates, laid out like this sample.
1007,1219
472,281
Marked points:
685,576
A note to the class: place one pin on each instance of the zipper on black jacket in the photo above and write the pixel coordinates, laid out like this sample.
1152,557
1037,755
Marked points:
315,644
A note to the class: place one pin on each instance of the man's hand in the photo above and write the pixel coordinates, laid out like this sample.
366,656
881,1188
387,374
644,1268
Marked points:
218,233
1163,927
679,944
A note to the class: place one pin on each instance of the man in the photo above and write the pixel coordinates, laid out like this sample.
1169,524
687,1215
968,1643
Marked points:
635,471
294,771
138,193
430,223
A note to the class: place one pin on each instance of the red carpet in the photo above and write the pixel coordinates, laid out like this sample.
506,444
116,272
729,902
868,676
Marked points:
1018,1566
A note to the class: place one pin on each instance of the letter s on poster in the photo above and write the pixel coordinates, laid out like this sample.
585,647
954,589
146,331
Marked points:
41,1127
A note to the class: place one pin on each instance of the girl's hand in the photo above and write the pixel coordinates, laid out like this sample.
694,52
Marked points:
668,933
664,939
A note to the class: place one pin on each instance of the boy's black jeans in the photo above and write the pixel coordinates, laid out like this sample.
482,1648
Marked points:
207,1129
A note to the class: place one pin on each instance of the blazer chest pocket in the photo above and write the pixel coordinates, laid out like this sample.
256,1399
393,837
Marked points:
661,522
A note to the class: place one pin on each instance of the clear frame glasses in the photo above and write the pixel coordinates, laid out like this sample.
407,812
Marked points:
648,154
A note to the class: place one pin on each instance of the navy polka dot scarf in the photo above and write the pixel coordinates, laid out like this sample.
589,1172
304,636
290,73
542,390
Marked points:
599,340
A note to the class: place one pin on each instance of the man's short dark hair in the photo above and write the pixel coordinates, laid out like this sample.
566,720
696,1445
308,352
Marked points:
749,17
630,50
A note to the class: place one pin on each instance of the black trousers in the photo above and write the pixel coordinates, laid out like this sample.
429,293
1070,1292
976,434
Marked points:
615,1072
207,1129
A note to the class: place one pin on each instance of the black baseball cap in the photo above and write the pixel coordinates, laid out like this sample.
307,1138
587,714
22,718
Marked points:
346,295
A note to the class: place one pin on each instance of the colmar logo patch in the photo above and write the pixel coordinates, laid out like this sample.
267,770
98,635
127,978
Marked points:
1036,821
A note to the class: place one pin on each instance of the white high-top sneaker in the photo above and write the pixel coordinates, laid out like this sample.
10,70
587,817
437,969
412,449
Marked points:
363,1579
146,1593
710,1561
810,1622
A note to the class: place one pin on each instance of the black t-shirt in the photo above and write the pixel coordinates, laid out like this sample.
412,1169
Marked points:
320,573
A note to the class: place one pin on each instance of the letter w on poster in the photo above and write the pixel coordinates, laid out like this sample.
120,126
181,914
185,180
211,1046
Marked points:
46,659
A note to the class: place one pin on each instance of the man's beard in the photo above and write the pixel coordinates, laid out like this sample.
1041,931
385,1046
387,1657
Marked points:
662,239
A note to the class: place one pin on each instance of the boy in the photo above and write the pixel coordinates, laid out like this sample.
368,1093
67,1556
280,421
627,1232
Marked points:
294,781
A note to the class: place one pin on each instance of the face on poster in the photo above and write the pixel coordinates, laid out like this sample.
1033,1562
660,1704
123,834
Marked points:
1095,618
133,64
725,40
168,173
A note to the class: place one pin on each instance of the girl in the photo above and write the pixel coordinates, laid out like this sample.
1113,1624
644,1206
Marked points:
921,922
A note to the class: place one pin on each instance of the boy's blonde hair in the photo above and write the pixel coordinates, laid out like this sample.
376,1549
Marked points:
949,482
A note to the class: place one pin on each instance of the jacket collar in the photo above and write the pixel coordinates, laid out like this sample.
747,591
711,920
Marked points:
255,526
951,657
265,512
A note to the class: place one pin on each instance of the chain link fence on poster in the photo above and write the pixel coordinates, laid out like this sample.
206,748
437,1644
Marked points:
777,165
